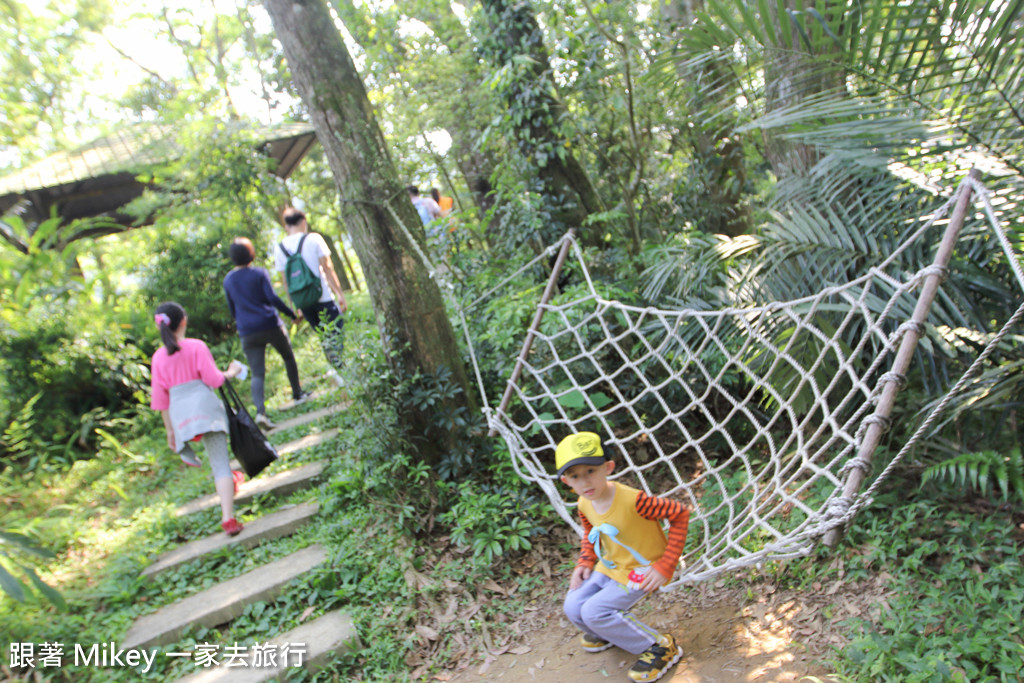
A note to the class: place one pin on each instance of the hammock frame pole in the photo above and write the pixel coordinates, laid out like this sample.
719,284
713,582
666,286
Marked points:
908,345
549,290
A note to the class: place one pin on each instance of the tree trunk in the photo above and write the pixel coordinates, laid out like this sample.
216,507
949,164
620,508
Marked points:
336,262
719,150
793,72
516,44
463,118
414,326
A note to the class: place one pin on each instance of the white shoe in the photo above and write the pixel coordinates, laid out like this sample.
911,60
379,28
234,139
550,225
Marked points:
303,397
264,421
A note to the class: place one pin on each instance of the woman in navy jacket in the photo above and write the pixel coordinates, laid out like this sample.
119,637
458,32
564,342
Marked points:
254,306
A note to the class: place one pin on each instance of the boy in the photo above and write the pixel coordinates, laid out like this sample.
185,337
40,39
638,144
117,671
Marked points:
624,556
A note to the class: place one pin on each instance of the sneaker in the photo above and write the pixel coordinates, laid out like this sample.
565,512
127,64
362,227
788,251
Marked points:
593,643
190,458
301,398
264,421
232,527
656,660
238,477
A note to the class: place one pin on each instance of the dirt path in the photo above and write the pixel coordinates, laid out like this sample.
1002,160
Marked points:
726,636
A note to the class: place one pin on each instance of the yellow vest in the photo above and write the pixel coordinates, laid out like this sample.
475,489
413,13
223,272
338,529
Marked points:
623,540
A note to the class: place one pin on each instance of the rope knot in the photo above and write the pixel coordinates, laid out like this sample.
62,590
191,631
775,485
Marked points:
837,508
941,271
862,464
911,326
896,377
875,419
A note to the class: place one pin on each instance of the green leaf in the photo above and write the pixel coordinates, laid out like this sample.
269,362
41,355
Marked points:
51,594
25,544
11,585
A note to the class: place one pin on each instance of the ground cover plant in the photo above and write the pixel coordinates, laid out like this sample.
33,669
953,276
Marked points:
708,155
446,586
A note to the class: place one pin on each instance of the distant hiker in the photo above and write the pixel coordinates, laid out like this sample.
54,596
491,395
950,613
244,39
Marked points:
254,306
305,261
444,202
426,207
183,377
623,557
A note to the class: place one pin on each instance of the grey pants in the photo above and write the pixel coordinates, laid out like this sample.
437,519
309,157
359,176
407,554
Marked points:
600,607
326,319
216,446
254,346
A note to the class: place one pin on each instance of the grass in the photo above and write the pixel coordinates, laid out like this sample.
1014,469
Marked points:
405,569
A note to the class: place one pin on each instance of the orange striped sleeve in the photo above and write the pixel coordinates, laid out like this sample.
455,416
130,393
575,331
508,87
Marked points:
588,558
678,516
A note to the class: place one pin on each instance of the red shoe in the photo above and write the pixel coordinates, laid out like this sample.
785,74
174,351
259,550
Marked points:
239,478
232,527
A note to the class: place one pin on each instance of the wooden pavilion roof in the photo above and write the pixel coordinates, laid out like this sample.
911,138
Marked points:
99,178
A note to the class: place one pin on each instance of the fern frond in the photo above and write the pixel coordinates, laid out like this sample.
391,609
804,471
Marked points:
984,472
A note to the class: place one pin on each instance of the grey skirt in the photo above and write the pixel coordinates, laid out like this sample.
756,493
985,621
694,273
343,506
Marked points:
195,409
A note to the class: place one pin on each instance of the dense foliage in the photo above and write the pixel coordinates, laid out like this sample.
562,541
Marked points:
709,154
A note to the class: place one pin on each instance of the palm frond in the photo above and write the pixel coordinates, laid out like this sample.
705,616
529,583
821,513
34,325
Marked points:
984,472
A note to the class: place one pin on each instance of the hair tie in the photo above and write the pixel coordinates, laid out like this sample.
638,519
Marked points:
162,318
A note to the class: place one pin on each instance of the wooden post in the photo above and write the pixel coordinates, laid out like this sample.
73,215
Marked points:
905,354
556,270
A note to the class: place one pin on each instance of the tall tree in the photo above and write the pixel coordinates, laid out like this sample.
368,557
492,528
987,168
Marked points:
717,146
383,224
419,75
515,44
39,43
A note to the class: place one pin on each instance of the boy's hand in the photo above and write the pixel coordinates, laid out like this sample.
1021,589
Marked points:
579,575
653,581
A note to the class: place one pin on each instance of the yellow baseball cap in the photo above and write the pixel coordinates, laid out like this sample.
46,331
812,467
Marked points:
579,449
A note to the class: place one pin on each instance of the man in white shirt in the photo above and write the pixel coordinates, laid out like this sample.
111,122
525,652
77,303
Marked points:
426,207
325,315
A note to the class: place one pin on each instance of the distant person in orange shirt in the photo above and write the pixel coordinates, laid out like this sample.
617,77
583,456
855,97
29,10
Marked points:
446,203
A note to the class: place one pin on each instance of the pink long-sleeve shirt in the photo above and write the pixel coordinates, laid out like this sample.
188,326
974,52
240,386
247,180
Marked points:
193,361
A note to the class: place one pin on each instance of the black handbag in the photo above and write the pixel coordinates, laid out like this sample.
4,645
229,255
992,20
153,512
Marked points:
248,443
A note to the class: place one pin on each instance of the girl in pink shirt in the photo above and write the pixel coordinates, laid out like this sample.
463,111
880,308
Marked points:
183,379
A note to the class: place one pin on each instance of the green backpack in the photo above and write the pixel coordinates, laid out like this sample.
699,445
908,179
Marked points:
303,284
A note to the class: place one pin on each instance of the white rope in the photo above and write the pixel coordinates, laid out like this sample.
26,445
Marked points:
752,416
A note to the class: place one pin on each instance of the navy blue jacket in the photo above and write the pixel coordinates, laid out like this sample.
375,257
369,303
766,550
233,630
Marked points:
252,300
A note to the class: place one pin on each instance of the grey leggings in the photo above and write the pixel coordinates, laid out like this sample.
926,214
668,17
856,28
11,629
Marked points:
254,346
216,446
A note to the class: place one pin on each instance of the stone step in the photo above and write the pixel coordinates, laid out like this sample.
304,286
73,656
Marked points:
306,418
223,602
306,442
266,528
291,404
279,484
331,634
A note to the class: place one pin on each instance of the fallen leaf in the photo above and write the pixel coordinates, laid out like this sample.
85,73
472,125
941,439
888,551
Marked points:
521,650
482,671
426,632
306,612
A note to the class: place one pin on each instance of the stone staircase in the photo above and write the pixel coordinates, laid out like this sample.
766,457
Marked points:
310,645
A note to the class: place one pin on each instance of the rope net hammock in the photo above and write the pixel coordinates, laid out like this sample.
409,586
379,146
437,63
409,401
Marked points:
762,419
